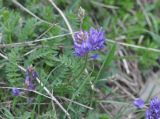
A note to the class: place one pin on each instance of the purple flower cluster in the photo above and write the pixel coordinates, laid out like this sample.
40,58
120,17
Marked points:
153,111
31,74
86,42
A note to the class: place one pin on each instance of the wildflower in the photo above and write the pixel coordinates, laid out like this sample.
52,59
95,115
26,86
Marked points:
153,111
31,74
94,56
96,38
81,44
139,103
15,92
86,42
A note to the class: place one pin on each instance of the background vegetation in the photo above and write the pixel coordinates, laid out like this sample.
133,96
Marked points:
110,83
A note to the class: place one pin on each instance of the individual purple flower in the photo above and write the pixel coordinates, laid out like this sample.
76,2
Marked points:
94,56
15,91
139,103
86,42
153,111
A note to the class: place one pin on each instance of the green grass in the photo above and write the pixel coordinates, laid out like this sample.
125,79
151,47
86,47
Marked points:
85,81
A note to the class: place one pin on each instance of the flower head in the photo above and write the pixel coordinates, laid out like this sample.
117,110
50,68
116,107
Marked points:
139,103
86,42
31,74
15,91
153,112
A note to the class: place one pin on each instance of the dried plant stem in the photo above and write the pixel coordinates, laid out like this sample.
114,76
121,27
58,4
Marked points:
34,91
53,98
124,90
25,9
126,67
53,25
134,46
34,41
76,103
64,17
47,91
60,97
62,35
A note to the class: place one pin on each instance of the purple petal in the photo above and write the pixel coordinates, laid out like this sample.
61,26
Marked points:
95,56
153,111
139,103
15,92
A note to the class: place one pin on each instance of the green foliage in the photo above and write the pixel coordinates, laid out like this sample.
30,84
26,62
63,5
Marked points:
21,29
108,59
8,114
54,59
9,22
11,70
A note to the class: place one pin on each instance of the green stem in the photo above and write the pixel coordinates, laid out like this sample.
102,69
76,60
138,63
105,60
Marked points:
107,61
83,83
79,89
84,66
100,71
